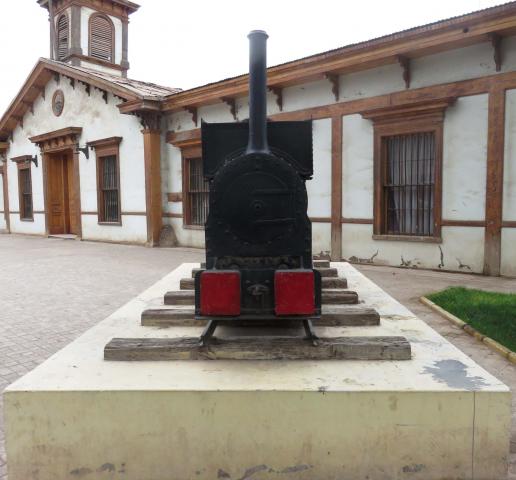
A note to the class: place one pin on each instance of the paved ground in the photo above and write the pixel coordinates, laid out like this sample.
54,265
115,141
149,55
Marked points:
53,290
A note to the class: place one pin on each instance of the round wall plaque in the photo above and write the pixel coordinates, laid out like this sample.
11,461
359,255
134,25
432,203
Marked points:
58,102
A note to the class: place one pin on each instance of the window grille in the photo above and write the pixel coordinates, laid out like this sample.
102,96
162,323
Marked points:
197,195
409,184
109,209
25,186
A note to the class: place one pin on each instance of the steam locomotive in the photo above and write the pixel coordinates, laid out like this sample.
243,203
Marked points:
258,234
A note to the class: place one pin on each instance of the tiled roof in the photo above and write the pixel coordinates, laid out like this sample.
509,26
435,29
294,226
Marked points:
138,87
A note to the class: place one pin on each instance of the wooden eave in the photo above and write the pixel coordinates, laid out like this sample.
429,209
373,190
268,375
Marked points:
394,112
445,35
63,132
21,159
185,139
36,82
105,142
140,105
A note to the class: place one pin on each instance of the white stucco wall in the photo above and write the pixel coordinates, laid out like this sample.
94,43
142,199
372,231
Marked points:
319,188
3,223
465,159
509,184
98,120
357,167
86,13
357,242
508,259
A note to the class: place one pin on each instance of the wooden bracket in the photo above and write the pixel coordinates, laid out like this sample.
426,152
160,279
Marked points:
19,120
231,102
334,80
30,106
86,87
405,66
43,92
278,92
193,111
105,95
496,42
57,77
72,82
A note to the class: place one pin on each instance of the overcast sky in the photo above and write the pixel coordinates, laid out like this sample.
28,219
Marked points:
186,43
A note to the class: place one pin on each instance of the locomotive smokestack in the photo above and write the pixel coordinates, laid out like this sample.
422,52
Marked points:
258,92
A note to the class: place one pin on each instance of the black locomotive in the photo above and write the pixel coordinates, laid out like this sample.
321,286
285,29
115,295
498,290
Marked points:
258,234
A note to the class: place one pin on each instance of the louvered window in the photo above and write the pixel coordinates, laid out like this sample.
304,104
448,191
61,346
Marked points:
197,194
62,37
101,38
25,191
109,194
409,184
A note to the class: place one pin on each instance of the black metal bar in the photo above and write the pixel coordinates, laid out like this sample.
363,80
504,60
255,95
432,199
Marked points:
207,333
258,92
309,330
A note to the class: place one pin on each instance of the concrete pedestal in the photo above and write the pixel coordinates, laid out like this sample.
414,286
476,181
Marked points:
436,416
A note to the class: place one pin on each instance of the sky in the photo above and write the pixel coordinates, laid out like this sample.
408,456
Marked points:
187,43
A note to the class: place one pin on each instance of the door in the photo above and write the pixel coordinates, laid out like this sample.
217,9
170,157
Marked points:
56,200
62,203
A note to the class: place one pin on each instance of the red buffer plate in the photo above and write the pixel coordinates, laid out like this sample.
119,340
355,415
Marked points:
220,293
294,292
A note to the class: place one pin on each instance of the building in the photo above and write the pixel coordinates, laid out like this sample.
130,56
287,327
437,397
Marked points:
414,141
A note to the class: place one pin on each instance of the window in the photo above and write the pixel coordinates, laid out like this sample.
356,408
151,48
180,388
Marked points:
62,37
25,191
407,170
409,183
108,179
109,205
102,38
195,188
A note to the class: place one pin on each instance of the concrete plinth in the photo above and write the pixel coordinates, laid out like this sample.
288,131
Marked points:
436,416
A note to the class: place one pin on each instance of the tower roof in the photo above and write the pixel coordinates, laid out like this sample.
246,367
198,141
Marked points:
124,5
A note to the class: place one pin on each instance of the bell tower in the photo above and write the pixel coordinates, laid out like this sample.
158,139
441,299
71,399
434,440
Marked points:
90,33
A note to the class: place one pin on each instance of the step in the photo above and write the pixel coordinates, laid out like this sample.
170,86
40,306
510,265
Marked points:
324,271
321,263
338,296
329,296
258,348
328,272
179,297
327,282
332,316
334,282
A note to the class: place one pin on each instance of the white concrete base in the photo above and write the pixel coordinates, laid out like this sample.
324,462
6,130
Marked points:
437,416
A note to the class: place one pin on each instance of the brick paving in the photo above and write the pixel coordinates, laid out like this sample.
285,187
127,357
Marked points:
53,290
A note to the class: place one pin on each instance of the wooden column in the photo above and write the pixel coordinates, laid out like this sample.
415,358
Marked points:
46,201
152,154
76,192
5,185
494,183
336,188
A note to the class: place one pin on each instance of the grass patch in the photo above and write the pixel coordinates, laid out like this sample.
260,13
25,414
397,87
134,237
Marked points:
492,314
